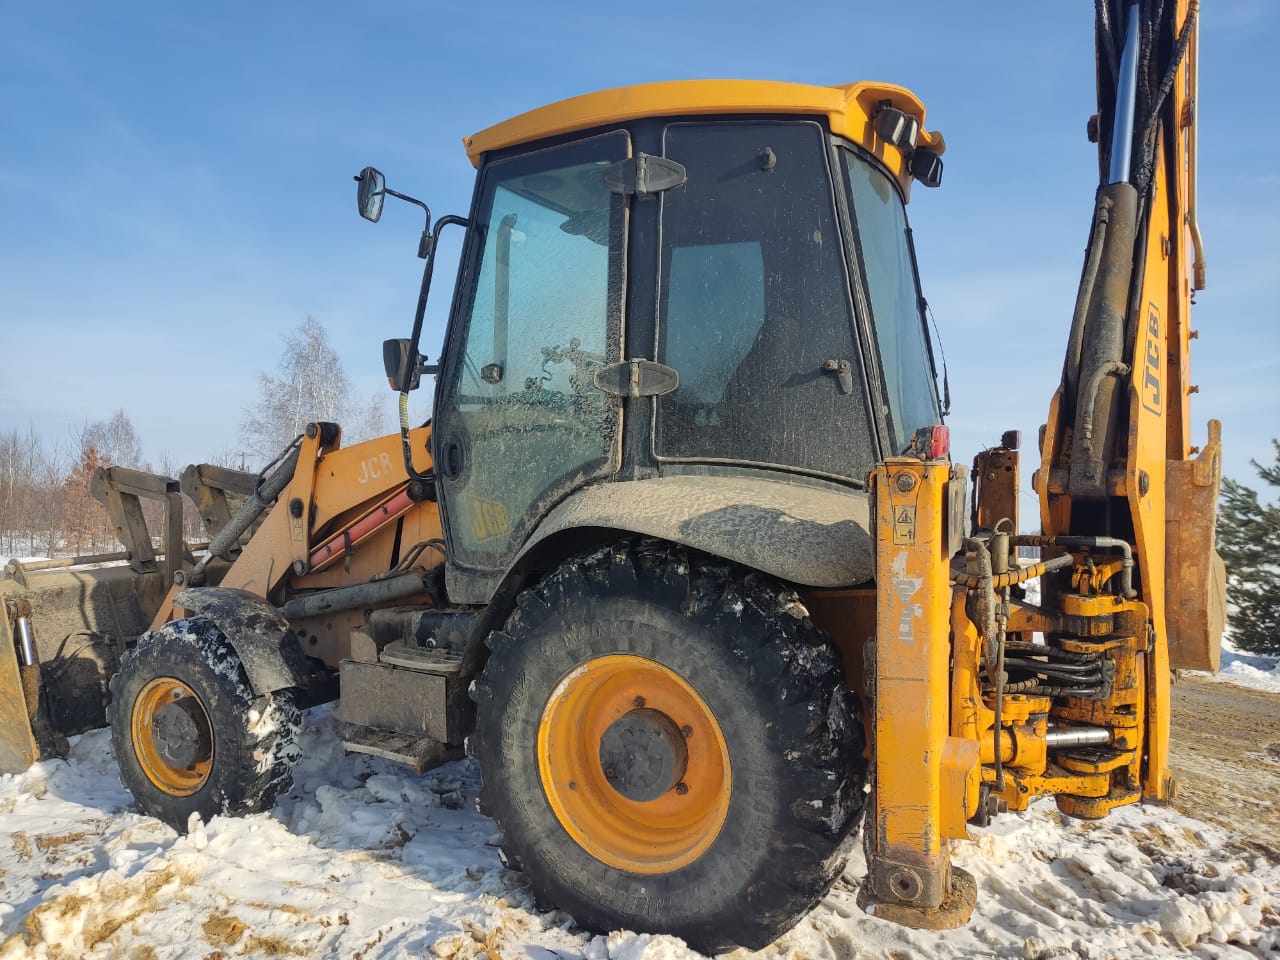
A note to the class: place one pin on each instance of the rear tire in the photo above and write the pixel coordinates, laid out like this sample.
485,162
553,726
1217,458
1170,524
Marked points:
726,843
189,734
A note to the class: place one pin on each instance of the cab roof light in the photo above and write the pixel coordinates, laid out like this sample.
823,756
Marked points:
898,128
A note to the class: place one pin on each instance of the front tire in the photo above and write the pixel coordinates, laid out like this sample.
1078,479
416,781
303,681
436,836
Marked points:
667,745
189,734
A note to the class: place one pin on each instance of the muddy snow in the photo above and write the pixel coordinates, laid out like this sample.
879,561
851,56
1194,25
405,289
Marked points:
362,860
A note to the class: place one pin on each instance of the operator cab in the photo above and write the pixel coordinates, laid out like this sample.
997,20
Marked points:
696,279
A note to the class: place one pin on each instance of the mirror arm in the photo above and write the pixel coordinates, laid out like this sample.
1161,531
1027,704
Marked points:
429,240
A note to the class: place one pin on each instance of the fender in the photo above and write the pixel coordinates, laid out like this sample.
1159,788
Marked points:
256,630
810,535
815,536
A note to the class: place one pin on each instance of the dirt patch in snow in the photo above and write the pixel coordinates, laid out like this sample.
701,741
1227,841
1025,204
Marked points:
364,860
1225,756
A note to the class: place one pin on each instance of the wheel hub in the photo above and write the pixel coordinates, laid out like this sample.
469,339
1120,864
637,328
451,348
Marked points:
180,734
172,737
643,755
634,764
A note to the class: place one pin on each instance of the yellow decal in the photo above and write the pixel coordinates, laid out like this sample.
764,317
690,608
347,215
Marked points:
488,519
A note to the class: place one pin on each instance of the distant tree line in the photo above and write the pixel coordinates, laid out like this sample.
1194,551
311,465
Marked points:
46,508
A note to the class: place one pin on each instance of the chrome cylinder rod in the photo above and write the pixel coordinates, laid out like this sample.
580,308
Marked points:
1126,97
26,642
1059,737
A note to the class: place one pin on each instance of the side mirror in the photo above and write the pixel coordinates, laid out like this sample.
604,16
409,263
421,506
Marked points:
926,167
370,193
398,355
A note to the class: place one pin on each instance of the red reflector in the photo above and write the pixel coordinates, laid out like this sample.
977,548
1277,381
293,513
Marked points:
939,442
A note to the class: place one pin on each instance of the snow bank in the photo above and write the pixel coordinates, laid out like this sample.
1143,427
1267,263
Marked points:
1260,671
362,859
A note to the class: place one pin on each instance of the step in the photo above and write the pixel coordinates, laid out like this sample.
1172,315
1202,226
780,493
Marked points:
417,753
428,660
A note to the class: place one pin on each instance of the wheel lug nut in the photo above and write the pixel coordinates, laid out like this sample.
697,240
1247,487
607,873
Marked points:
686,731
682,788
638,702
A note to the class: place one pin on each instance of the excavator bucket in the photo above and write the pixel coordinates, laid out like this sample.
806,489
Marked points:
1197,594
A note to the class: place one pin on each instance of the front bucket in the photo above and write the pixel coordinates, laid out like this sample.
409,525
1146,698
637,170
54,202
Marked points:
18,747
81,618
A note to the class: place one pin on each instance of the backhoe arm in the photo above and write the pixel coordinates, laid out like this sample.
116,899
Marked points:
1067,695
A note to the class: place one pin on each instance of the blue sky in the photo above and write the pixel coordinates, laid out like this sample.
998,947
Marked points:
176,193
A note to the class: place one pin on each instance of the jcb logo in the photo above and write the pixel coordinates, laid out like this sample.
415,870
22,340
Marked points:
1152,392
488,519
374,468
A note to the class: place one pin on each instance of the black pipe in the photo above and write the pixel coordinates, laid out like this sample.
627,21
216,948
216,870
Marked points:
427,249
359,595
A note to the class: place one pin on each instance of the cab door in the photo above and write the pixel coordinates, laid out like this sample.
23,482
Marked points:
519,423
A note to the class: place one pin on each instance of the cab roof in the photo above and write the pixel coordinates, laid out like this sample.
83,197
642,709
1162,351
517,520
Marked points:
847,108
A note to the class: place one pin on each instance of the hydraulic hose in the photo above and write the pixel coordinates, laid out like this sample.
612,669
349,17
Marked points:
270,487
999,581
1075,340
1092,543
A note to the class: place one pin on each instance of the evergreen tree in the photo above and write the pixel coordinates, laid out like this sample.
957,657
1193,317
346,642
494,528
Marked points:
1249,541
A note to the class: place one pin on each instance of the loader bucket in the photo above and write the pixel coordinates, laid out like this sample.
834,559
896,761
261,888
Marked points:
64,623
18,747
76,620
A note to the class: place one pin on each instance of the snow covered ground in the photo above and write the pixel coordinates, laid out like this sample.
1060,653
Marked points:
1260,671
362,860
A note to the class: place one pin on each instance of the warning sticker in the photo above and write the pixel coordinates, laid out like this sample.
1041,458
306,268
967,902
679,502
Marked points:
904,525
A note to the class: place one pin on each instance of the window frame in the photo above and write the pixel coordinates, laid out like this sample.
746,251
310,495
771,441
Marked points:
859,327
458,329
871,341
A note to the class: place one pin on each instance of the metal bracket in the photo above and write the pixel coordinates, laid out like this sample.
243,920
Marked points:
644,175
636,378
843,370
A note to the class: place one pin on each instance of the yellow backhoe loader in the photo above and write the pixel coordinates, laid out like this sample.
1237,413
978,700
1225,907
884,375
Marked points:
682,557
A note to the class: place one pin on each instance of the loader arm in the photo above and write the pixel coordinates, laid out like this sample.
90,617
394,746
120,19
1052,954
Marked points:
332,521
1130,584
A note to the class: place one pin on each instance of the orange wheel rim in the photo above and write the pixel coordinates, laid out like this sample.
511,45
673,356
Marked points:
155,713
634,764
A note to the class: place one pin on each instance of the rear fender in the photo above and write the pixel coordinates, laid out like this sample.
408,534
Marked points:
809,535
256,630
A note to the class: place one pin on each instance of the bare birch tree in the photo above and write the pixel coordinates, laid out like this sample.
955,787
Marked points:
114,440
309,384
